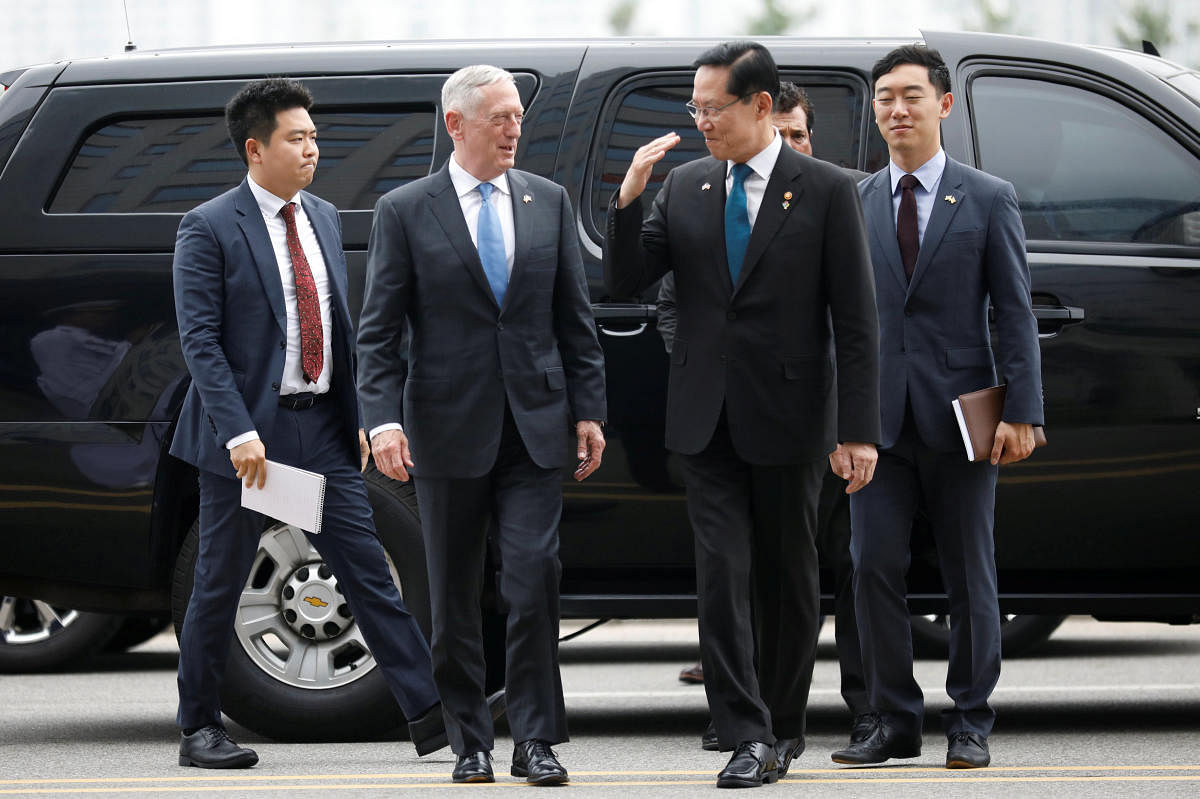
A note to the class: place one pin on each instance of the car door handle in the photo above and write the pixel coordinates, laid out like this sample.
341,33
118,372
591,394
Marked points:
623,319
1052,319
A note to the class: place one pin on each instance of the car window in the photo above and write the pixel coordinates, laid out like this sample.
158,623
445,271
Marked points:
646,112
130,166
1085,167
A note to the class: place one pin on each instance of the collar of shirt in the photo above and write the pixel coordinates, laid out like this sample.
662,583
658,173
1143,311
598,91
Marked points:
761,166
928,174
268,203
464,182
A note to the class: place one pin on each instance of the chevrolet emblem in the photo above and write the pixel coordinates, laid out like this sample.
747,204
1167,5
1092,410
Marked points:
315,602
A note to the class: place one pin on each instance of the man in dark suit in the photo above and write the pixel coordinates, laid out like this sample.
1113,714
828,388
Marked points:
482,262
946,240
260,295
766,282
793,118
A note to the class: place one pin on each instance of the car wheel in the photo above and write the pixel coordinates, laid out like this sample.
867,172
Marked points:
38,636
1019,634
298,676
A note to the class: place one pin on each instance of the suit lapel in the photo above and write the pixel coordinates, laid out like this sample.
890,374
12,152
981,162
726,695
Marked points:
523,215
331,249
939,218
711,191
785,177
448,211
253,227
877,205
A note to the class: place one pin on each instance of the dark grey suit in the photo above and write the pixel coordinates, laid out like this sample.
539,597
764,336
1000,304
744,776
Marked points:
935,345
490,398
752,407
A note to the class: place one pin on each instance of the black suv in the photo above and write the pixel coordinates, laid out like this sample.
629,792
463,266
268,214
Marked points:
100,158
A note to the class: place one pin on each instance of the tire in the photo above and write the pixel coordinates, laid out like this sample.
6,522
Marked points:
346,697
1019,635
135,630
38,636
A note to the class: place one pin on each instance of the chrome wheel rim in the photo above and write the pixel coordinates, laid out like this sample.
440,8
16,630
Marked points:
32,621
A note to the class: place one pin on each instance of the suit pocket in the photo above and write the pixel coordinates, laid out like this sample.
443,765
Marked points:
970,234
969,357
427,390
804,367
556,379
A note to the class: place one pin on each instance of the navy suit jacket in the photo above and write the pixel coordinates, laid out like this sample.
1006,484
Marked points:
232,325
468,356
934,338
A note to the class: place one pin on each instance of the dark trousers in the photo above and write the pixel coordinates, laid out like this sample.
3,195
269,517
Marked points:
959,498
524,502
757,585
312,439
833,551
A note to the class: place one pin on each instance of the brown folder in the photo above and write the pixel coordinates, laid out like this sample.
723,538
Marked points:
978,415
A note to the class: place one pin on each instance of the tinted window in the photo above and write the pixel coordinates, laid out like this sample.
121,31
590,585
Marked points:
174,164
647,112
1085,167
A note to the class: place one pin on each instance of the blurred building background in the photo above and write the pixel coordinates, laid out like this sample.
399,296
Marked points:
45,30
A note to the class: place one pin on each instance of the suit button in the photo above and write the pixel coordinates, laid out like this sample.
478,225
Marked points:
499,325
731,316
283,345
274,386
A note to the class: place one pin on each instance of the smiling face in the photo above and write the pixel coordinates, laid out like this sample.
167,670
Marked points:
793,127
286,162
485,137
742,129
909,112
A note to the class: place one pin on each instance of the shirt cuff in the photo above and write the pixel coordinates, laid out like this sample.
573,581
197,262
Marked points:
251,435
383,428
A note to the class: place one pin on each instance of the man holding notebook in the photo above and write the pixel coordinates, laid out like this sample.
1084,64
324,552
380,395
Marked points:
946,242
260,296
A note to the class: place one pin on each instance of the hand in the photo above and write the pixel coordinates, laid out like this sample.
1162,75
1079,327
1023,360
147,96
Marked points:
854,461
392,455
250,460
364,449
643,164
1014,442
591,447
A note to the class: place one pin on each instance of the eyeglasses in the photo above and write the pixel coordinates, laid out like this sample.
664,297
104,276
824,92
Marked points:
708,111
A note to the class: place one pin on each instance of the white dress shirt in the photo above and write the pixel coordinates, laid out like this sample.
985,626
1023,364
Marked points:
929,175
755,183
470,200
292,381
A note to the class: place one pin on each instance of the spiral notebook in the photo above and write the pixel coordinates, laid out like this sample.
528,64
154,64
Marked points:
291,495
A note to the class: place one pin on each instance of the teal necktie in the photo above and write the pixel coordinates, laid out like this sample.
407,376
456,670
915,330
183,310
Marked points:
491,244
737,222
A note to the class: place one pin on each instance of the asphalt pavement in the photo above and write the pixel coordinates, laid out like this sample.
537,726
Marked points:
1104,709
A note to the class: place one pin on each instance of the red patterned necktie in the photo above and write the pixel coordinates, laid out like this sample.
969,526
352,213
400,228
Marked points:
312,337
906,225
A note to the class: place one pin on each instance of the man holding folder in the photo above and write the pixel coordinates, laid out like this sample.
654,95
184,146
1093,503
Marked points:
260,296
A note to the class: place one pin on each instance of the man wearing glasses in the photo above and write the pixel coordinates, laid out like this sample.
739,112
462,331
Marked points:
771,271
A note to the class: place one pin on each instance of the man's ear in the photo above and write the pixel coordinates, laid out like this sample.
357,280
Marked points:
763,105
254,150
945,103
454,124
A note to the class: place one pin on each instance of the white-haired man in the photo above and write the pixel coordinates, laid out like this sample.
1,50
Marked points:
482,262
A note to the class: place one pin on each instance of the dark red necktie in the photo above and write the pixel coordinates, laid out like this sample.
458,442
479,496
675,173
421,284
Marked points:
312,337
906,225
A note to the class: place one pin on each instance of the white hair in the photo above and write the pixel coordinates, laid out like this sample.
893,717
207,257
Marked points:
461,90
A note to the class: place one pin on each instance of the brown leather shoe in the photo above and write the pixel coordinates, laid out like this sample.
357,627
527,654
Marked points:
692,675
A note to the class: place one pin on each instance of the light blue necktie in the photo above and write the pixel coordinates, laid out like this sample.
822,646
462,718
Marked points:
737,222
491,244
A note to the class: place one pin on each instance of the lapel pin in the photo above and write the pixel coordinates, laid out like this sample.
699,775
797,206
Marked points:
950,199
787,196
526,199
706,187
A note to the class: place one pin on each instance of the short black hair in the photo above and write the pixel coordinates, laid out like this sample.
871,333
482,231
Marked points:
751,67
792,96
251,112
917,54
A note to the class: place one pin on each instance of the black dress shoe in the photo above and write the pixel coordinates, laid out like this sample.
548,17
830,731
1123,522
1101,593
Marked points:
884,743
752,764
210,747
708,740
536,762
967,750
787,750
864,725
473,767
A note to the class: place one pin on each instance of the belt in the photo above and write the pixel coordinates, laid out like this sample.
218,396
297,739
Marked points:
302,401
